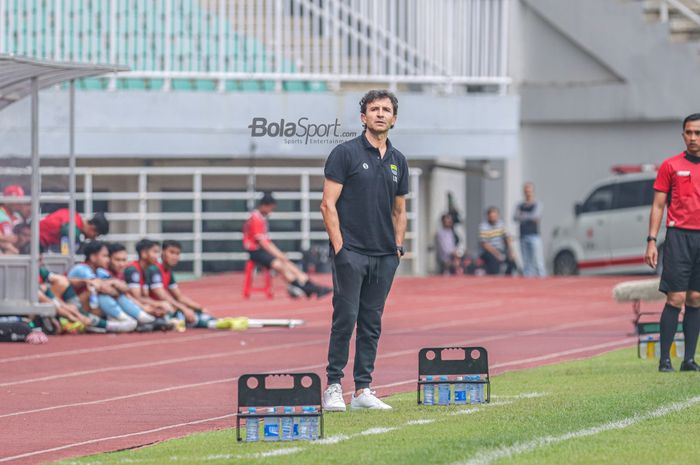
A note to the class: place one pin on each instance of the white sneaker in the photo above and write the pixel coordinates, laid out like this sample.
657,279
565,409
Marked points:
333,399
368,400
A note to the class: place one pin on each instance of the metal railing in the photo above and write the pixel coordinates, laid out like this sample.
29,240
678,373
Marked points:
681,7
142,206
331,41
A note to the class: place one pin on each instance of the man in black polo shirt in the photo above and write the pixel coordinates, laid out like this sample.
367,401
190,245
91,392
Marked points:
364,210
679,177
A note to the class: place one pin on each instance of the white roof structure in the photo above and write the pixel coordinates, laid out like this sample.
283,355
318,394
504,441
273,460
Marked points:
21,77
16,74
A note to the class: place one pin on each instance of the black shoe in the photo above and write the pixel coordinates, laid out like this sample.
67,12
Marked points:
321,291
690,365
665,366
145,328
161,324
295,291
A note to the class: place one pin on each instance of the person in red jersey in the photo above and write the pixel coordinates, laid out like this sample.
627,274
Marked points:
677,188
162,286
265,253
55,226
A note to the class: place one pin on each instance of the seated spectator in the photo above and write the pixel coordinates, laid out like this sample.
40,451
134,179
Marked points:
11,214
448,254
496,247
162,286
55,226
110,302
265,253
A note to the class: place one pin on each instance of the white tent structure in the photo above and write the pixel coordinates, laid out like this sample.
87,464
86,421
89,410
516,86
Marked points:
21,77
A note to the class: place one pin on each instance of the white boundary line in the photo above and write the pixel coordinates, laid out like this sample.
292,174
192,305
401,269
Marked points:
488,456
179,360
93,441
175,339
605,345
315,309
329,440
308,367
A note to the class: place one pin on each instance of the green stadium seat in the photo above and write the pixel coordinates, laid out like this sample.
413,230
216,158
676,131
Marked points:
130,19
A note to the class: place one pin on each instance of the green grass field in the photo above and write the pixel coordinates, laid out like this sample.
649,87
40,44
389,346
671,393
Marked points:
611,409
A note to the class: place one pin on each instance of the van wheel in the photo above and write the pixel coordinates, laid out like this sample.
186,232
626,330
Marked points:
565,264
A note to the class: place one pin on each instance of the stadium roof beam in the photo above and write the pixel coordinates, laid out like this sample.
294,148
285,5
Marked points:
20,77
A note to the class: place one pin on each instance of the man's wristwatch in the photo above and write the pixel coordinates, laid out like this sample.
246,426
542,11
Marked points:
400,250
651,238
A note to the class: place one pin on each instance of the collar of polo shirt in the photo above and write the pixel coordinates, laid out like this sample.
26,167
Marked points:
369,146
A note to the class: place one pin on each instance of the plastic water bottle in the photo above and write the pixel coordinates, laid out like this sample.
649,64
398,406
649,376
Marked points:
271,426
480,391
643,346
93,300
443,392
296,420
287,424
65,249
252,427
304,425
460,392
429,392
313,424
476,390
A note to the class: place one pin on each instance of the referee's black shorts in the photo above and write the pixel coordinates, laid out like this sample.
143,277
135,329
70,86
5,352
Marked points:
681,261
261,257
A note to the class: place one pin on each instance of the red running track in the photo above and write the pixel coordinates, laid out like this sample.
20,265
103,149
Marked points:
79,395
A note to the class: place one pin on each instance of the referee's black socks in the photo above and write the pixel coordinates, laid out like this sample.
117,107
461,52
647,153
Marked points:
691,328
669,324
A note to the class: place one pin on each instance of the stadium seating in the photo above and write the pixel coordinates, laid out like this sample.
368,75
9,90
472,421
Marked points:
140,44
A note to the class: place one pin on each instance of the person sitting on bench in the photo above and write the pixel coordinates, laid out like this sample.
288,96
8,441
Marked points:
265,253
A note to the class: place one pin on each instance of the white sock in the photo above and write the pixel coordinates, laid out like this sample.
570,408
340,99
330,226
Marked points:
122,326
145,318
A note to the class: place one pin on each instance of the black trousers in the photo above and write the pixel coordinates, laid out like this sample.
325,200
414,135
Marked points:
492,265
361,284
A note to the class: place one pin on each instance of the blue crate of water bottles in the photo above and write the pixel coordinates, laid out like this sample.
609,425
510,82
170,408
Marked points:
453,376
279,407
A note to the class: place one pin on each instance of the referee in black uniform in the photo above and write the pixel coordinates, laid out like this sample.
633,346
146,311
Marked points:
364,211
677,186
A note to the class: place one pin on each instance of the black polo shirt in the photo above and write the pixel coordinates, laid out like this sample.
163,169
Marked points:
370,184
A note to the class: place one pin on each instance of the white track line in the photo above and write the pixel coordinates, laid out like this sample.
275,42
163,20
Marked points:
312,342
525,395
127,345
488,456
170,361
131,345
605,345
287,451
308,367
420,422
173,340
121,436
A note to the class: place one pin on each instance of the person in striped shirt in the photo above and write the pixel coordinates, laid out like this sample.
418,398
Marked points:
496,245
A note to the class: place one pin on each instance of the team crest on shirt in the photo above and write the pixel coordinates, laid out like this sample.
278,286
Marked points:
365,166
156,279
395,172
135,277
